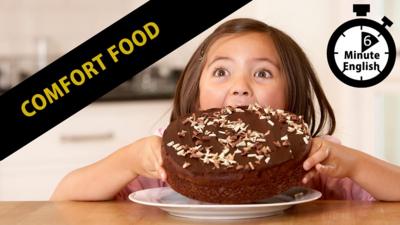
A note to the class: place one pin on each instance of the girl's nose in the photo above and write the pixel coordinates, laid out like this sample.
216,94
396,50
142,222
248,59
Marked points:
241,88
241,92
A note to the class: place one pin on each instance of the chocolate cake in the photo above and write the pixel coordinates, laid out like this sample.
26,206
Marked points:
235,155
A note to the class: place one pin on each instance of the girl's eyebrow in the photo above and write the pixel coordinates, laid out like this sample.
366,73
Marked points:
219,58
266,59
254,59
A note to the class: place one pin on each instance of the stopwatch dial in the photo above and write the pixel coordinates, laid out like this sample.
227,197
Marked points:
361,60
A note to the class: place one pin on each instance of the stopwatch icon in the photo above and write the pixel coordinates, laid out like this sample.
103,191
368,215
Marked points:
361,52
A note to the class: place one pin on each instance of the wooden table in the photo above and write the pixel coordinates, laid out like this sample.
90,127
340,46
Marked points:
97,213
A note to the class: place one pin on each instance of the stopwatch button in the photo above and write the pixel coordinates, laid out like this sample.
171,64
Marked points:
386,22
361,9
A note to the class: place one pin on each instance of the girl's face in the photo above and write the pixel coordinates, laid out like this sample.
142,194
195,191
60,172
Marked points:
241,69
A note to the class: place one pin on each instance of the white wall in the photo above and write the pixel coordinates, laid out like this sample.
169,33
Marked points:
65,23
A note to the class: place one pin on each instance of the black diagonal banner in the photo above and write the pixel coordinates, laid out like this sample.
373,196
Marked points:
100,64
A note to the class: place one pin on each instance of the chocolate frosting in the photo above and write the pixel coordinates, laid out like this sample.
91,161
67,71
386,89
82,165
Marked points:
224,141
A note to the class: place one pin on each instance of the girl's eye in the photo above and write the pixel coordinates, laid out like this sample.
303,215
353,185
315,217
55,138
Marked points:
263,74
220,72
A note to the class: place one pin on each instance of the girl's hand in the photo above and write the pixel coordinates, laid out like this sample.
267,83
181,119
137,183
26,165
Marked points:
147,158
330,159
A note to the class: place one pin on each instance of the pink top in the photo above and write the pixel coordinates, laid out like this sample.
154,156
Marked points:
331,188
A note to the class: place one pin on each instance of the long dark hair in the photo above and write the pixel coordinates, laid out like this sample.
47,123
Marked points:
302,84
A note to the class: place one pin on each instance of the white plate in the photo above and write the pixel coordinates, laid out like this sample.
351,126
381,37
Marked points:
178,205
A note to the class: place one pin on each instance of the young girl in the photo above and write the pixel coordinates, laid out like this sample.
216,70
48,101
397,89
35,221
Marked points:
244,61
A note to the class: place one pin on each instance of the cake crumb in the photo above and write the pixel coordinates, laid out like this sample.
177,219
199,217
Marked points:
239,167
267,160
251,166
286,143
305,139
182,133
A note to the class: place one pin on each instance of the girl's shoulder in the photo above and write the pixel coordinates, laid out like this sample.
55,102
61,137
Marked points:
331,139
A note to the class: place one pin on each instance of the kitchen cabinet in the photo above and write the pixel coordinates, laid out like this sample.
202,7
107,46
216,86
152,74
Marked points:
33,172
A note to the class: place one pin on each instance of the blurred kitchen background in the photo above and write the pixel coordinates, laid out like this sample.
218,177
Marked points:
35,33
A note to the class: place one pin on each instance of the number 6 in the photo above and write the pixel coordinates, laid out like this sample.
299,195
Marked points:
367,41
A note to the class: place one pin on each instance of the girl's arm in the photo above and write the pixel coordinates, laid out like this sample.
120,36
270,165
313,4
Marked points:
381,179
104,179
